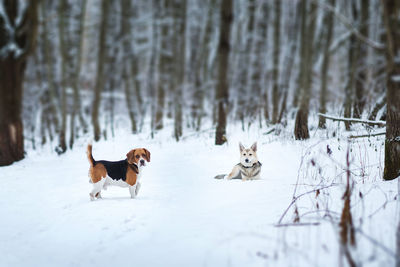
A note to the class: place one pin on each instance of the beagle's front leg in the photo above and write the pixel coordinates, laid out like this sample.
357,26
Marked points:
137,188
132,190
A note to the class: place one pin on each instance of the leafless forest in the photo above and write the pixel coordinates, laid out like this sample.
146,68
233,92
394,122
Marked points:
75,67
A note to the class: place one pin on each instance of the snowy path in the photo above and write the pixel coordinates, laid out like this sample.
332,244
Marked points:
182,216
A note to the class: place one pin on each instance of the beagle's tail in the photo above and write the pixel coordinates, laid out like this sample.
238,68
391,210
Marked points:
89,155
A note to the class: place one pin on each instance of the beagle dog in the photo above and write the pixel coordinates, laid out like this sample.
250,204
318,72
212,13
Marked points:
123,173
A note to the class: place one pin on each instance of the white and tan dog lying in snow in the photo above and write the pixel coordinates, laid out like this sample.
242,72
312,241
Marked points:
249,167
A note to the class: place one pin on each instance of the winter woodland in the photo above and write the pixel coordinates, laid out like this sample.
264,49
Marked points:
315,82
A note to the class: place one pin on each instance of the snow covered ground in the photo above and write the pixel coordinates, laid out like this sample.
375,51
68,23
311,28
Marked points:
184,217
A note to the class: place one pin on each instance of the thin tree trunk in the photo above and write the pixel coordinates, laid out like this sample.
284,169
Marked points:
391,20
77,99
165,61
328,23
307,34
53,109
359,99
180,10
288,66
12,69
275,73
100,65
125,34
201,62
243,108
61,26
352,66
223,61
257,57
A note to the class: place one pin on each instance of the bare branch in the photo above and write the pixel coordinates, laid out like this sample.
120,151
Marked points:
349,26
366,135
378,123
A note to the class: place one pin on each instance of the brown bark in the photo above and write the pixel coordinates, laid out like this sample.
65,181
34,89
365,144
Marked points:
352,67
275,73
328,23
359,99
125,30
180,17
307,38
77,99
392,143
165,60
223,61
100,65
12,68
257,62
289,59
62,145
243,108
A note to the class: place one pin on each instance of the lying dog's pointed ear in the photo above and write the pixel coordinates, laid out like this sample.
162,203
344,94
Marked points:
147,154
130,156
254,147
241,147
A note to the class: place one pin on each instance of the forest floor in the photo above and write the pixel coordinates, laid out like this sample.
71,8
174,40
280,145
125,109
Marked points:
184,217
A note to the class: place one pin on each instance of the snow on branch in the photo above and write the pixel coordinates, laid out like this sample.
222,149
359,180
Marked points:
366,135
369,122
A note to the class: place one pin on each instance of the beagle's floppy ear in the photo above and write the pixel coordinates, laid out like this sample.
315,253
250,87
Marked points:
147,154
254,147
241,147
131,156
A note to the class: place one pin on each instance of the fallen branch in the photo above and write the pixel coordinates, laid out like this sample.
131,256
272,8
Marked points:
379,123
366,135
296,224
270,131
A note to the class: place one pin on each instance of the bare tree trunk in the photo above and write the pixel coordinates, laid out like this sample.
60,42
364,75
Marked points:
307,36
391,20
275,74
223,61
12,68
289,60
180,13
100,65
52,112
328,23
256,58
165,61
62,146
77,99
125,30
245,93
359,99
200,66
352,67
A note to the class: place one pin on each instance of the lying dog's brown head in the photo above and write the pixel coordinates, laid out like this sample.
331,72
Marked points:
138,156
248,156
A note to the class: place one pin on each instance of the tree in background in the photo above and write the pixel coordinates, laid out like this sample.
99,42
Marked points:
223,59
391,17
100,73
18,24
275,72
306,53
328,23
